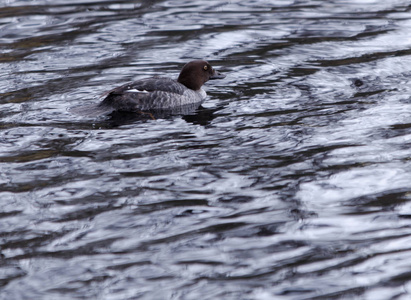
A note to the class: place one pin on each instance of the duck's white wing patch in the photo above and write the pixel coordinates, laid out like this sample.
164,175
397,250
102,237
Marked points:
136,91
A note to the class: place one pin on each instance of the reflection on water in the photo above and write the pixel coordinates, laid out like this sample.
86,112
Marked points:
290,182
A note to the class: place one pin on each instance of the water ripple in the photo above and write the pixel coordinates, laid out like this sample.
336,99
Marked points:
291,181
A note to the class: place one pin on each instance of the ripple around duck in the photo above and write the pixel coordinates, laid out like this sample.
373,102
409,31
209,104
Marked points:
290,182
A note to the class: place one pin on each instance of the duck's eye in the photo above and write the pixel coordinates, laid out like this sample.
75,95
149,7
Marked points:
205,68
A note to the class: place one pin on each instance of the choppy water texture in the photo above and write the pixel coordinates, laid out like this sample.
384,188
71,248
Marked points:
292,181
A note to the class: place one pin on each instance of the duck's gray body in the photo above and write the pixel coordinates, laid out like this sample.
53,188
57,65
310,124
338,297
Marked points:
157,93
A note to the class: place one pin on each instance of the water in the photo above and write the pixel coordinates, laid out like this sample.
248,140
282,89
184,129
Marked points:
291,182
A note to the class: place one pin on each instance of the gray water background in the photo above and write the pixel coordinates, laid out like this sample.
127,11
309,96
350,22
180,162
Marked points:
293,181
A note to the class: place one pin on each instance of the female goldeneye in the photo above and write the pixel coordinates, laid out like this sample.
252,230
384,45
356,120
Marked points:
159,93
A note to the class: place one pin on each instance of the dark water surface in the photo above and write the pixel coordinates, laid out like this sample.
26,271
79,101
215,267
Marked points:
293,181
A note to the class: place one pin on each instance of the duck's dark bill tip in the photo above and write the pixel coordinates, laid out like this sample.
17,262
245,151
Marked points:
217,75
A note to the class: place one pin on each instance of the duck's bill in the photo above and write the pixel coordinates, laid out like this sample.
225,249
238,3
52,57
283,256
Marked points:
217,75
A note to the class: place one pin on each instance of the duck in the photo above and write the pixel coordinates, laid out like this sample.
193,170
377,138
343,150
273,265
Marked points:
162,93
